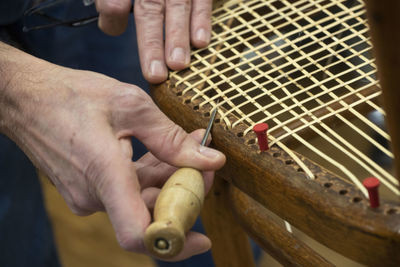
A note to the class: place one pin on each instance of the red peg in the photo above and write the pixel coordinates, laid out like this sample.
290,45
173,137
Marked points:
372,185
261,131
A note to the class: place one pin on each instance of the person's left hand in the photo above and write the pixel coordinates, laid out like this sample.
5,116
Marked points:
185,21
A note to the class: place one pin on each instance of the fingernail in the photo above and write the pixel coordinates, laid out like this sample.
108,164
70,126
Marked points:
156,68
209,152
179,55
201,35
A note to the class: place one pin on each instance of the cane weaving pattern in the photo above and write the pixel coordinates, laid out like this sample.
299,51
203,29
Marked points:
303,67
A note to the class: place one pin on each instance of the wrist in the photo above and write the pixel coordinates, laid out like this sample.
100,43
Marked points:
20,76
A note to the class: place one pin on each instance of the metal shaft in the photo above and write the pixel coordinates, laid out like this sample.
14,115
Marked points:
209,126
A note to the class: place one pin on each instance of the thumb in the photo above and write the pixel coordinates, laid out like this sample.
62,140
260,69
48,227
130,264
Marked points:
170,143
166,140
120,194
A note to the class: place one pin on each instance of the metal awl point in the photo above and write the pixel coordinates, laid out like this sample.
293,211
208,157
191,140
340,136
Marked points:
210,124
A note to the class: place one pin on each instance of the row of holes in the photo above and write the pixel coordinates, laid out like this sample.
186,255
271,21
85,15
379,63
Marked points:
289,162
326,185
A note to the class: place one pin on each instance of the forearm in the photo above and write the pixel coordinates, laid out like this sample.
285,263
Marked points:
21,75
76,126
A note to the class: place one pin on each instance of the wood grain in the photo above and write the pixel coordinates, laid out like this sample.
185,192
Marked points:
345,223
273,238
384,20
230,245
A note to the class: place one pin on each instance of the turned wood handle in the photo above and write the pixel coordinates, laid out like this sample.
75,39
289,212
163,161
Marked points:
177,207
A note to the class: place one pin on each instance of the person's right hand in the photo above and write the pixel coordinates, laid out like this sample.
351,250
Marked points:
76,127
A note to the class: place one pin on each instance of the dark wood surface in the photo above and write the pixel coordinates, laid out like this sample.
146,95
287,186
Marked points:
341,221
384,20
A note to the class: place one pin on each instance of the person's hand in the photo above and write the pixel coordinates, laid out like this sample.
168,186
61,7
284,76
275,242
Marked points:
152,175
76,127
185,22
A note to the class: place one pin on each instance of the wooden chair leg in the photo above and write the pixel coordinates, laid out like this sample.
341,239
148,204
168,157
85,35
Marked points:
274,239
230,244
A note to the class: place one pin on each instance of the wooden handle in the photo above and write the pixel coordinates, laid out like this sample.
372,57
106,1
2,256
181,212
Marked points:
175,212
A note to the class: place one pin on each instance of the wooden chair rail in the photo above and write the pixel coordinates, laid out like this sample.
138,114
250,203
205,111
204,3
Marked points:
273,238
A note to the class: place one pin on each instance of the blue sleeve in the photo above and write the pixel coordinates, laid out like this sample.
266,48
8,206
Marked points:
12,10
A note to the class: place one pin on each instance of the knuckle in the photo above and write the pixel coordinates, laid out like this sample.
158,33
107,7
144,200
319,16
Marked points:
176,33
175,138
179,4
80,204
77,209
203,12
149,8
94,168
127,241
153,43
95,174
134,97
127,105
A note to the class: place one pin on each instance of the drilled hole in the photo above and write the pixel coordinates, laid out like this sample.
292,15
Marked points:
207,114
343,192
240,134
391,211
327,185
357,199
217,120
276,154
288,162
196,107
251,141
179,93
300,170
187,101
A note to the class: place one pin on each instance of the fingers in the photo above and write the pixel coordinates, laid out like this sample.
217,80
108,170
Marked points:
153,173
177,24
208,180
149,18
195,244
185,21
119,191
135,114
200,30
113,15
149,196
170,143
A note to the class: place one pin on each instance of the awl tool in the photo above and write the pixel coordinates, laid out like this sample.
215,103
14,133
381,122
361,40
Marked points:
177,207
